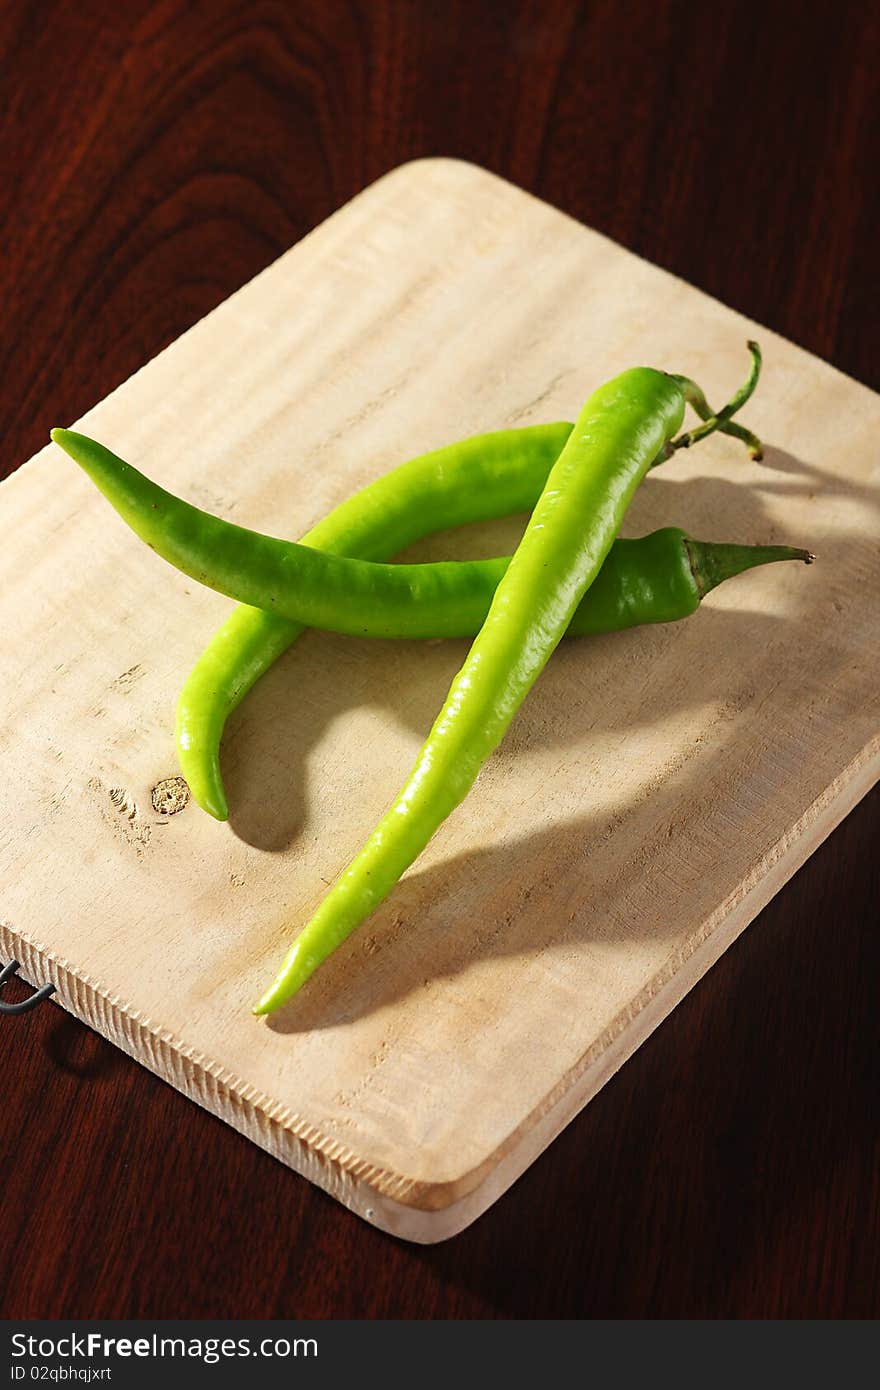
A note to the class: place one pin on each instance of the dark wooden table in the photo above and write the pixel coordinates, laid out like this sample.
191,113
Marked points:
154,157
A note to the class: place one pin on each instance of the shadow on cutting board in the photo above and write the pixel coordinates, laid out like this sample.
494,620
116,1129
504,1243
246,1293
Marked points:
270,736
443,921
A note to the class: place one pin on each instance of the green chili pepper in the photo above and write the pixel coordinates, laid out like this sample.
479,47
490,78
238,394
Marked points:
480,478
621,429
357,597
296,581
655,579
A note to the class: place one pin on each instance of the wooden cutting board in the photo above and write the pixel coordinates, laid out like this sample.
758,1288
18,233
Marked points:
657,788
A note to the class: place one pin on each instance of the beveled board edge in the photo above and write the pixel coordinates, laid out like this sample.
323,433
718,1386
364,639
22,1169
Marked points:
426,1213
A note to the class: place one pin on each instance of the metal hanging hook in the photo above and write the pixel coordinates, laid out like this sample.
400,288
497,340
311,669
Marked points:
26,1004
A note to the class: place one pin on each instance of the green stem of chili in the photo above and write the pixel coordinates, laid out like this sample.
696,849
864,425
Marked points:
721,420
711,563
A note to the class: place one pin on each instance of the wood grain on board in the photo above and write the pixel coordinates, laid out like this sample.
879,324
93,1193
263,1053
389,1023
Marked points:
655,790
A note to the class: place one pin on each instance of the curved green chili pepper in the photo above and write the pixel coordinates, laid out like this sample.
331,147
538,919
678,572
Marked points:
300,582
314,587
355,597
657,578
621,429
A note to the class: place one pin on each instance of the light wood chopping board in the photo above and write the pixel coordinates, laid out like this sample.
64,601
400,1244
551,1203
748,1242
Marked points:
656,789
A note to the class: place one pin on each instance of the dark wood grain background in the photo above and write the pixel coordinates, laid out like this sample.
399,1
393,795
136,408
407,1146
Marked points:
153,157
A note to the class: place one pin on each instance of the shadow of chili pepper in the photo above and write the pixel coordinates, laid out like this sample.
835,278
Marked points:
266,750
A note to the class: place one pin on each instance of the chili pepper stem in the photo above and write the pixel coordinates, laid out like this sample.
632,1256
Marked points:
721,420
713,562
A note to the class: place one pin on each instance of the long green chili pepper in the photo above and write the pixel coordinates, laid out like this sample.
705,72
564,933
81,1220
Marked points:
300,582
314,587
355,597
621,429
657,578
